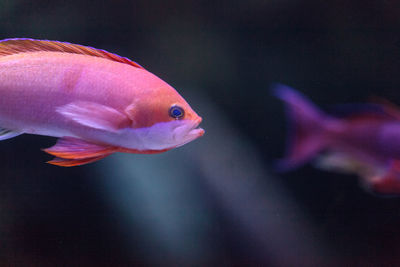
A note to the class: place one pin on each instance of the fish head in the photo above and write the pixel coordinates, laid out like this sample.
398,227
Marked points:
162,120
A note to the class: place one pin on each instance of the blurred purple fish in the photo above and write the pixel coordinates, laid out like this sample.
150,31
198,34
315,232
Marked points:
366,142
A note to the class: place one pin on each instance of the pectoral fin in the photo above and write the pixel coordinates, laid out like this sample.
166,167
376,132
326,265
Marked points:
95,115
71,151
7,134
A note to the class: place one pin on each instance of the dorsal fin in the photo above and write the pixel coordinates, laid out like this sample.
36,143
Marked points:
24,45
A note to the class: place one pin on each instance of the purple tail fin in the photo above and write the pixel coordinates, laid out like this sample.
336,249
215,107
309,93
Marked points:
306,131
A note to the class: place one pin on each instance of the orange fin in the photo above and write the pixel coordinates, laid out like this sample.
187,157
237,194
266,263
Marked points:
78,149
23,45
74,162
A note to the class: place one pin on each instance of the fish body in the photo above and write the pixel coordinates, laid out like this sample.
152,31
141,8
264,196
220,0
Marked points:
366,142
93,100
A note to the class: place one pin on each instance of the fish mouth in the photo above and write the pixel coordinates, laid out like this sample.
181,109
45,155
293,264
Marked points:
196,130
184,136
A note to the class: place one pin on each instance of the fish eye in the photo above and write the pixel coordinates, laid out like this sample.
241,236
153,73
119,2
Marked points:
176,112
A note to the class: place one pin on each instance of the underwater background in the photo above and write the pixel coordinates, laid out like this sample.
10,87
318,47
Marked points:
217,200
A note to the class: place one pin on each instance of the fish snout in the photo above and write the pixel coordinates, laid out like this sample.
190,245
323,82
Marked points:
197,122
196,131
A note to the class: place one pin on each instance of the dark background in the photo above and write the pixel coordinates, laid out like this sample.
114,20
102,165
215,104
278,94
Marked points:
217,200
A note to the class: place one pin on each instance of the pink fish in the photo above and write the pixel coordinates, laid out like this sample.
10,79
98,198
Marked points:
366,142
97,103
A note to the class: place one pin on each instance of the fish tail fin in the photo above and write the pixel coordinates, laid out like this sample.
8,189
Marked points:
306,128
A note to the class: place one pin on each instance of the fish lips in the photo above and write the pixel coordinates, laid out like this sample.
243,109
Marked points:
189,132
196,130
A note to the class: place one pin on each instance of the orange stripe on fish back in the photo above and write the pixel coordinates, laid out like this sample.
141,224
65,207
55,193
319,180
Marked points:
16,46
